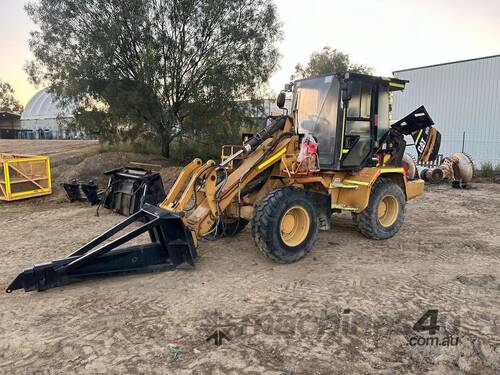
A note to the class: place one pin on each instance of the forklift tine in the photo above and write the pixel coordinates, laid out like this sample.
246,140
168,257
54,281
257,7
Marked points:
171,248
84,259
108,234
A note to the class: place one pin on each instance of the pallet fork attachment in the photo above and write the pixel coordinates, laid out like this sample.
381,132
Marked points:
172,248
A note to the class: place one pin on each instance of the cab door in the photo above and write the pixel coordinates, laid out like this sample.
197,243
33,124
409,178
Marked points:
358,124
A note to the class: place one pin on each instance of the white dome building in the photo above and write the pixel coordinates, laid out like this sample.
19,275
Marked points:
45,116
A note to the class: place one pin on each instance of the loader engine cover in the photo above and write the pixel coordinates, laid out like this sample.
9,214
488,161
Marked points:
427,139
130,188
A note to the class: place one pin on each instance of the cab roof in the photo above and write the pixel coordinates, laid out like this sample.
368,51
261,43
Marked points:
394,84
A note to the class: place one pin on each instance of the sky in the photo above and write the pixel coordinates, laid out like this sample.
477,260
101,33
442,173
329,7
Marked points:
387,35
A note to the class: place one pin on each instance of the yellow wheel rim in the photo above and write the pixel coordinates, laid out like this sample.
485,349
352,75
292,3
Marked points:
388,210
294,226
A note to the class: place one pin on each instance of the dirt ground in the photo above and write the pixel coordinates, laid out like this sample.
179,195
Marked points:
347,308
56,149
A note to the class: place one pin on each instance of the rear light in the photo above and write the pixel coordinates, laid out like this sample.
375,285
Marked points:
406,168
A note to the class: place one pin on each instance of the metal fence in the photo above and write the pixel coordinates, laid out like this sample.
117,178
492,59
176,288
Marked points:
483,150
432,164
26,134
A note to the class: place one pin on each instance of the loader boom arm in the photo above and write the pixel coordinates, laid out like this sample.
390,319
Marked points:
218,188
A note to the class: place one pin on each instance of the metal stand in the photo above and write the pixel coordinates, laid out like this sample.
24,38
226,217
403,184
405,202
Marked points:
172,247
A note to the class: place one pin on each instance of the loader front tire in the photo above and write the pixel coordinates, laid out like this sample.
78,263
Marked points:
385,212
285,224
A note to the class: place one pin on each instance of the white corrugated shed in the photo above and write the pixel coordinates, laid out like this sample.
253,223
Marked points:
44,112
462,96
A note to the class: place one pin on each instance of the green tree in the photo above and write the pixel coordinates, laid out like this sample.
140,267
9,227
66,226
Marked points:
137,65
328,61
8,102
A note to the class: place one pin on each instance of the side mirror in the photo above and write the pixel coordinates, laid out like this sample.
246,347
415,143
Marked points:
347,92
280,102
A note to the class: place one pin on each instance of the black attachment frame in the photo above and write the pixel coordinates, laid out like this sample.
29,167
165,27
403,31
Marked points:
172,248
81,191
130,188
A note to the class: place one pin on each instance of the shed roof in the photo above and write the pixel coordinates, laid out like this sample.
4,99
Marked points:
8,114
447,63
44,105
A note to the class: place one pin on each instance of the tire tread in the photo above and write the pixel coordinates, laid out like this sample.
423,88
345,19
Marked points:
262,230
366,220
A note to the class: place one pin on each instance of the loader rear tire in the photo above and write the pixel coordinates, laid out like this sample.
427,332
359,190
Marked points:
355,218
285,224
385,212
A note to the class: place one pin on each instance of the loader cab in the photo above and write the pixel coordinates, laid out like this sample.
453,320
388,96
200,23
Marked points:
347,114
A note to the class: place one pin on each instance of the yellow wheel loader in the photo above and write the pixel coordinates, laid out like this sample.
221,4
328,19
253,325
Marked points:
335,150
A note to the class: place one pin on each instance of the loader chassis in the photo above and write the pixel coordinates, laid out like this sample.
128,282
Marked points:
357,168
349,134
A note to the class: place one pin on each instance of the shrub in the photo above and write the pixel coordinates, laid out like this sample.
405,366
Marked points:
486,170
141,147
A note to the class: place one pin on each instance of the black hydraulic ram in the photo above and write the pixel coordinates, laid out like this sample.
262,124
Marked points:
171,248
254,142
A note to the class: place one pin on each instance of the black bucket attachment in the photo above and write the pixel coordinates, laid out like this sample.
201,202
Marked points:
72,190
172,248
130,188
81,191
90,191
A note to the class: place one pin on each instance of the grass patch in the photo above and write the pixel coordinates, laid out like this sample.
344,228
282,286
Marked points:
143,147
181,152
185,151
488,170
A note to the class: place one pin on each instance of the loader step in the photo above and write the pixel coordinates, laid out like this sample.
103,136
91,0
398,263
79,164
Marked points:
340,185
343,207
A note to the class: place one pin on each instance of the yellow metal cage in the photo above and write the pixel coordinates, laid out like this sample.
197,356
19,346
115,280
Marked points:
24,176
